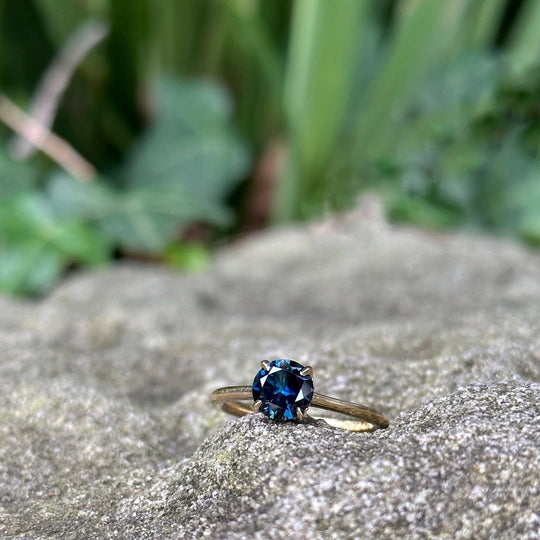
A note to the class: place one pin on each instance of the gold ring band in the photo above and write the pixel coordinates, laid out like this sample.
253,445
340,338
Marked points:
230,400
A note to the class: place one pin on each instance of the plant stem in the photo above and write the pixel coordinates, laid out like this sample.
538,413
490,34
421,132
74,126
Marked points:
56,148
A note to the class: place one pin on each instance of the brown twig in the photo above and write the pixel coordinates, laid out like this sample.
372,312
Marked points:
56,79
56,148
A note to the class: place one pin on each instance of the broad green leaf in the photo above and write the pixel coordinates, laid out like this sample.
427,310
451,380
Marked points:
143,219
15,176
148,220
29,266
192,103
36,245
190,147
31,216
178,173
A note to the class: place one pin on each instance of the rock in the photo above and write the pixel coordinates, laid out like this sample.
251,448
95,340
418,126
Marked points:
106,430
444,469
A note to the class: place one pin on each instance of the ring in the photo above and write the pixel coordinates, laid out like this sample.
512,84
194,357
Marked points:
283,390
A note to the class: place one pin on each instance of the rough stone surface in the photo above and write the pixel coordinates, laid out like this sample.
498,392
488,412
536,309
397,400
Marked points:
106,430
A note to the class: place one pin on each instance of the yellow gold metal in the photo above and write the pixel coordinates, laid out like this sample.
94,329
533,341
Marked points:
257,405
307,371
230,400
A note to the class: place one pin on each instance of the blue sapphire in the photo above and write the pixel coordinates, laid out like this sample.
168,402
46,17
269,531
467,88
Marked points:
282,389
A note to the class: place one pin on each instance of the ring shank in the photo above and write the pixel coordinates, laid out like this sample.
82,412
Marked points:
230,400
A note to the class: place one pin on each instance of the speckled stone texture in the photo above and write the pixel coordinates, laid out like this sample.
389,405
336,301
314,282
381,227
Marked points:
106,430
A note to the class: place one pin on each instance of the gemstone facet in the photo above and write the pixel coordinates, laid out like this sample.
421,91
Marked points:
282,389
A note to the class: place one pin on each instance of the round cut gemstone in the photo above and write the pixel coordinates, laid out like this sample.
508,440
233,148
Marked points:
282,389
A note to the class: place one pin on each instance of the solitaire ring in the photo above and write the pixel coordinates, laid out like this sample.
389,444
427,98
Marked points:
283,390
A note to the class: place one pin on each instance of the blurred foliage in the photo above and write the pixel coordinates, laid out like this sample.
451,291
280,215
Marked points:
177,173
469,153
433,104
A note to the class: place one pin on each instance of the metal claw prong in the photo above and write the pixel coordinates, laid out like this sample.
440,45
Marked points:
265,364
307,371
301,416
257,405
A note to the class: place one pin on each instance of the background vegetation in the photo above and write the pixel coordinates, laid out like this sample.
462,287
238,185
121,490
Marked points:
164,127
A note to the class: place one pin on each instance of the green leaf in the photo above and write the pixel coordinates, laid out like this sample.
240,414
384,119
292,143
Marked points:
190,147
190,257
147,220
29,267
36,244
143,219
179,172
15,176
30,215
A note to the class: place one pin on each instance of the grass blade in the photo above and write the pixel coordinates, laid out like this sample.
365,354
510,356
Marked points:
424,34
323,47
525,38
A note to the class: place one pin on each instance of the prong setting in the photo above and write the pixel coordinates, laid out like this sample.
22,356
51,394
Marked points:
307,371
301,416
257,406
265,364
